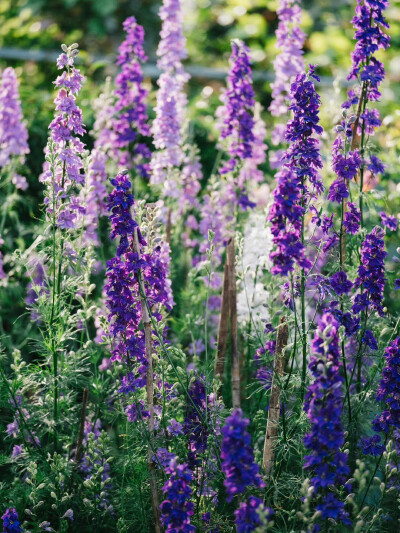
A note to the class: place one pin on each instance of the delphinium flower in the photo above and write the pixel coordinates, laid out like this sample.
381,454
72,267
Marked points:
131,120
123,292
11,523
289,62
371,273
248,515
62,171
298,180
177,509
237,456
237,112
171,100
370,26
389,221
13,132
323,405
389,390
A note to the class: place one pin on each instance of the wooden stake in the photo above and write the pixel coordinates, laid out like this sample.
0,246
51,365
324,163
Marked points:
222,328
150,395
235,363
275,399
168,227
78,453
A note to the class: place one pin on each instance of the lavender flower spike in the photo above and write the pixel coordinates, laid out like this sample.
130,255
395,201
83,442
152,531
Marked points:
13,132
62,171
289,63
323,405
171,100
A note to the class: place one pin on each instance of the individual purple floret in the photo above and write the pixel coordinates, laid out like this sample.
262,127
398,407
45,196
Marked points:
371,273
11,523
237,456
131,120
13,132
340,284
352,219
177,509
298,180
389,221
247,516
323,405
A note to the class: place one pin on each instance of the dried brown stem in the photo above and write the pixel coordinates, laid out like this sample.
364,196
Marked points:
150,396
168,227
275,399
78,453
235,362
223,328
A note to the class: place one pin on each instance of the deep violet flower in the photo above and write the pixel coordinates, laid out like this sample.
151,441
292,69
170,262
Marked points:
13,132
238,465
323,405
389,221
389,390
11,523
122,289
177,509
237,113
247,516
298,180
195,424
340,284
352,219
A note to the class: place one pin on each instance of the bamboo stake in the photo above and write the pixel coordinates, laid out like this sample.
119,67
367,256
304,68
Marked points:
78,453
235,363
150,395
275,399
222,328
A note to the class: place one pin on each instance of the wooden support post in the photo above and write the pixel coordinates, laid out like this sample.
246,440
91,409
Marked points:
222,328
275,399
235,363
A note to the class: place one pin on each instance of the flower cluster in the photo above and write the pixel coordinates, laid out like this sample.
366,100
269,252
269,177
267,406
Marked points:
371,273
248,515
123,291
389,390
95,197
177,509
131,118
11,523
237,456
62,171
299,179
345,166
13,132
171,100
323,405
237,113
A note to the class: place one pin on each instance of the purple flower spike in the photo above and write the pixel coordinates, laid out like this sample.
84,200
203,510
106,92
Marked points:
177,509
238,465
323,405
13,132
